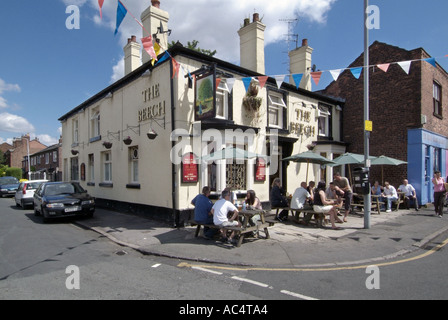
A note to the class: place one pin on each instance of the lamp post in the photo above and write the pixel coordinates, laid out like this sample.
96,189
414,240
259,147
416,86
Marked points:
367,197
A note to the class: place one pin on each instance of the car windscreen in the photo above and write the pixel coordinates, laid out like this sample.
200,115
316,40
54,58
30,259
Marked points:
64,188
33,185
8,181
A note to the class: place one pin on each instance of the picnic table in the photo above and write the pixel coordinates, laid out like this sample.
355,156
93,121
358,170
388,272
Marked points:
246,229
358,202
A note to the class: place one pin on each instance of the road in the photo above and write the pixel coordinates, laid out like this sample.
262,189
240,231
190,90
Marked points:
60,260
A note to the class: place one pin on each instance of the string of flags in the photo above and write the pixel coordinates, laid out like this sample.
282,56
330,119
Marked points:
154,49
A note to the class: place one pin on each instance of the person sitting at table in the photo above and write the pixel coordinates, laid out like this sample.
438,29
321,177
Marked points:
409,193
311,188
202,211
331,194
326,206
220,210
278,199
377,190
233,197
390,193
253,203
300,197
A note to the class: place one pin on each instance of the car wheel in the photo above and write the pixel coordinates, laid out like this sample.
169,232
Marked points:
36,213
23,205
44,215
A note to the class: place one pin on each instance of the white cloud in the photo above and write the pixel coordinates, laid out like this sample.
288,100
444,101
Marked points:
117,70
4,87
214,23
47,139
14,123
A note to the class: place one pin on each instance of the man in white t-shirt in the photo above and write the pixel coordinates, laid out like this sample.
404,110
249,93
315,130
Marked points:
220,212
299,197
410,194
390,193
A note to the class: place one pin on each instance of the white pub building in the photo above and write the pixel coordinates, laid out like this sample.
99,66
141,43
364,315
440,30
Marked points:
148,143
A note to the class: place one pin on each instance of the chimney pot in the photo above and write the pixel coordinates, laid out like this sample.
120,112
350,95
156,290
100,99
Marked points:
155,3
304,42
256,17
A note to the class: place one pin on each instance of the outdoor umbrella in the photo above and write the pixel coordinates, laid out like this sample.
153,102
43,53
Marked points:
350,158
231,153
309,157
386,161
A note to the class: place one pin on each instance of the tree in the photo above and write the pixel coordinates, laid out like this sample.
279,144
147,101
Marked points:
194,46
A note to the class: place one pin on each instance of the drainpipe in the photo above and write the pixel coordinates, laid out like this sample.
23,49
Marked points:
173,166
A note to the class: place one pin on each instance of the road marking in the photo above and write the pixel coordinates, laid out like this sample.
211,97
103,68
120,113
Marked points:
207,270
156,265
297,295
320,269
263,285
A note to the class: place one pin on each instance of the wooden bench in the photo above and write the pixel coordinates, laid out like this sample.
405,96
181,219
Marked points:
296,214
242,231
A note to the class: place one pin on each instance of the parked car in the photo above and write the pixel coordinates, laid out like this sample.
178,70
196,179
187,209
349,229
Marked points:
8,186
25,192
62,199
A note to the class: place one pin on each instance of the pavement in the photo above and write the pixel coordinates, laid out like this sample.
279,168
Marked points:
291,245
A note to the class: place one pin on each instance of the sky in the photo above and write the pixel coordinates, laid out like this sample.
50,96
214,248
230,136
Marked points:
47,69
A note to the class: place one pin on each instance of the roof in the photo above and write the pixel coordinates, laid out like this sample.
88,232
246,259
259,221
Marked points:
179,49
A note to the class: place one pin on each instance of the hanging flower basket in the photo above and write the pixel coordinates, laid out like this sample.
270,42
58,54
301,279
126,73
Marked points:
107,145
127,141
75,152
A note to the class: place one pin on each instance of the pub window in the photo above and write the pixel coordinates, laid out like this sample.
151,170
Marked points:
75,133
95,123
91,168
74,169
276,107
107,166
437,98
222,100
324,121
133,164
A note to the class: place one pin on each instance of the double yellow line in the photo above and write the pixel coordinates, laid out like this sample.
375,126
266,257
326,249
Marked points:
422,256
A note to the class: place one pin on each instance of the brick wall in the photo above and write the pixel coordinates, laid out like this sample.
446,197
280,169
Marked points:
397,101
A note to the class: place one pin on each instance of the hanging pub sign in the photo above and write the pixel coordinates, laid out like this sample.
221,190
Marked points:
205,95
189,168
260,170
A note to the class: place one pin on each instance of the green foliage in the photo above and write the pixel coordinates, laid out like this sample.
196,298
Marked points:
14,172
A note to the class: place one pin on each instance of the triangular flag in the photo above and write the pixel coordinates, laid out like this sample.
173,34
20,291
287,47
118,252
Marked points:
356,72
279,79
157,50
176,67
316,77
431,61
121,13
262,80
164,57
297,79
335,74
384,66
218,81
230,83
405,65
149,47
247,82
100,3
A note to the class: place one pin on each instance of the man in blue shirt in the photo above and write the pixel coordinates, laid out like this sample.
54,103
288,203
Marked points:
202,211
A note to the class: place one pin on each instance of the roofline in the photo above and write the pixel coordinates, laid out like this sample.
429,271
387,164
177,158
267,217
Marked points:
179,49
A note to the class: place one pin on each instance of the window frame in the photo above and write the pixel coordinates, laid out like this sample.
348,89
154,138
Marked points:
280,107
437,100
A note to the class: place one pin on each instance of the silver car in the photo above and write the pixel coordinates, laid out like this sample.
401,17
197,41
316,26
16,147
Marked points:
25,192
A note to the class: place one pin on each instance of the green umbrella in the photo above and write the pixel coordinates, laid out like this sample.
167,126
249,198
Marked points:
386,161
350,158
309,157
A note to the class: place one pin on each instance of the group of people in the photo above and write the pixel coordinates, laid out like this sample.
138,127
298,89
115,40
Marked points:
320,198
389,194
223,213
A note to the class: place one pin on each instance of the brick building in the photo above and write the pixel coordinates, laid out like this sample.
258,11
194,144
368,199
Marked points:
19,149
45,164
409,119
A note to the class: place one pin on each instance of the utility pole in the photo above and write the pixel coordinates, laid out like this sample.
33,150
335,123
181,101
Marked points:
367,197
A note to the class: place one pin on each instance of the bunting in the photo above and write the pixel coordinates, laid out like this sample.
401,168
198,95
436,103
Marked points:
176,67
297,79
121,13
247,82
335,74
384,67
405,65
356,72
149,47
262,80
100,4
316,77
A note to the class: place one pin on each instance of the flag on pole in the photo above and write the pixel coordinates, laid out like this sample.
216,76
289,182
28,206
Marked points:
121,13
100,3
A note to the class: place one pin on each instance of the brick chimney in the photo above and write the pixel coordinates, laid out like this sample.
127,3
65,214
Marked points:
252,45
154,19
301,62
132,59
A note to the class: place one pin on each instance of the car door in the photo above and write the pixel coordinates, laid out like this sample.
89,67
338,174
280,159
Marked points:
18,195
38,198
